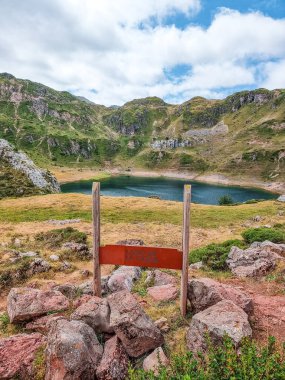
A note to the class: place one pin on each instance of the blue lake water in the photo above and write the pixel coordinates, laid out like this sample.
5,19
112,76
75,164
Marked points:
166,188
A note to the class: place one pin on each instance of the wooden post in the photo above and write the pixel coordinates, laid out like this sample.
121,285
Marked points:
185,248
96,238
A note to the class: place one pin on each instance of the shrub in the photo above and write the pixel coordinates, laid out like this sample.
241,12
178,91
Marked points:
223,363
275,235
225,200
215,255
54,238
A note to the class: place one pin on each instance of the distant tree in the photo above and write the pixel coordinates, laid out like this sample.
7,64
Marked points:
226,200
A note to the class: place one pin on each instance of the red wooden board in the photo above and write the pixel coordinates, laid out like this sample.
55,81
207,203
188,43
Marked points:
141,256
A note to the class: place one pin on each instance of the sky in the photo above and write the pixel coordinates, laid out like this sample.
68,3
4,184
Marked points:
113,51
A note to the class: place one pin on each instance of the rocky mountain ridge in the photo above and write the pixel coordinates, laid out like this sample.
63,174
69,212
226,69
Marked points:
243,133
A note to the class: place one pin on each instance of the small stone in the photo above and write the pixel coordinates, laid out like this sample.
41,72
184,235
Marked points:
54,257
162,324
196,266
155,360
27,254
163,293
65,266
85,273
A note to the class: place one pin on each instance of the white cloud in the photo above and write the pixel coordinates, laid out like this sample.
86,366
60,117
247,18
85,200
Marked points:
122,48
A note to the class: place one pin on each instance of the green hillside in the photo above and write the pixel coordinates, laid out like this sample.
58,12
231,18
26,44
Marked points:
244,133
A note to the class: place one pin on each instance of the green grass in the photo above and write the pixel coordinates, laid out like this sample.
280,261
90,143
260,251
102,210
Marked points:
143,211
223,363
214,255
275,235
57,237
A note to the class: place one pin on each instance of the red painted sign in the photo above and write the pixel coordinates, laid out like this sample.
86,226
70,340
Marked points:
141,256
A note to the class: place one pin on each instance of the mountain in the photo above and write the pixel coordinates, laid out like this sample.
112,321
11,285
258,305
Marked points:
242,134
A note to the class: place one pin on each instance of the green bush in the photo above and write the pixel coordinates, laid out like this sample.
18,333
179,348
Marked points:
275,235
215,255
55,238
226,200
223,363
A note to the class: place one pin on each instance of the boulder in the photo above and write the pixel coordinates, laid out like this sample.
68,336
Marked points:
65,265
17,355
163,293
223,318
123,278
115,361
155,360
24,304
73,351
162,278
96,313
43,324
80,250
70,291
134,328
257,260
54,257
38,265
196,266
205,292
87,286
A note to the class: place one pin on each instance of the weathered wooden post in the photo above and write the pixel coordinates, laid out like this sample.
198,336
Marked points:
185,248
96,238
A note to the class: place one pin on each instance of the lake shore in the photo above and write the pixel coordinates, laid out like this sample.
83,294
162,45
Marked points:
65,175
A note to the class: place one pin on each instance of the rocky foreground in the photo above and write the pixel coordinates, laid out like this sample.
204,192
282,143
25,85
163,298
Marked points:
85,337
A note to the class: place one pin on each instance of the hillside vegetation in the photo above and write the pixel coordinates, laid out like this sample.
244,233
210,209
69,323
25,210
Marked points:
244,133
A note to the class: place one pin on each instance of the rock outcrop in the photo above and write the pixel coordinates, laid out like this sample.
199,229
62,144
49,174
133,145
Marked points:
133,327
19,162
223,318
73,351
24,304
205,292
257,260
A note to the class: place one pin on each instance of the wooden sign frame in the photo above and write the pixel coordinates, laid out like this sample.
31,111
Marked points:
142,256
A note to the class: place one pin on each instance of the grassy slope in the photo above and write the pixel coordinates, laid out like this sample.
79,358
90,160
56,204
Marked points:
131,210
121,137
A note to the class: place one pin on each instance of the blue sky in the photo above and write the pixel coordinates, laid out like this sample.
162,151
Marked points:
112,51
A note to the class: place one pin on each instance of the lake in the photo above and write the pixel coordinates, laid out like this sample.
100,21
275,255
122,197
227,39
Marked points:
166,188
